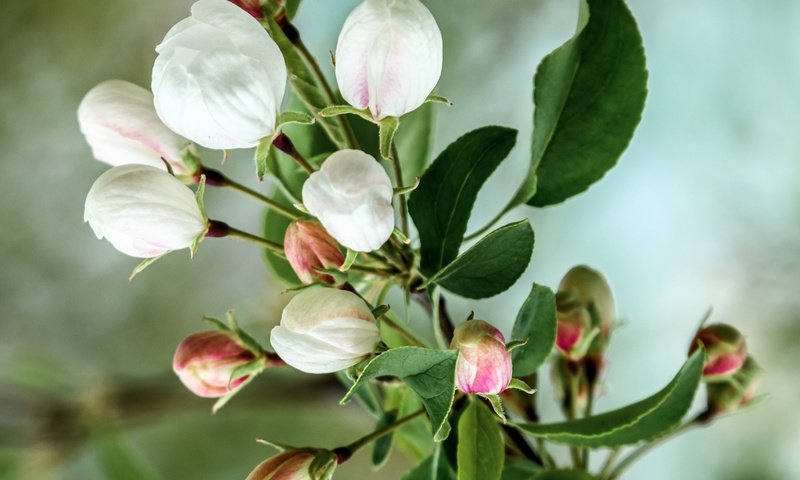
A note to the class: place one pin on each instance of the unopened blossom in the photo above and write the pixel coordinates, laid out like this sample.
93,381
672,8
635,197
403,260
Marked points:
205,363
736,392
325,330
309,248
573,328
288,465
121,126
590,288
143,211
219,78
725,350
388,57
351,195
484,363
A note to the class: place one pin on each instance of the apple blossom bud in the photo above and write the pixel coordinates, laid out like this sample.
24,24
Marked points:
143,211
308,247
484,364
735,393
325,330
288,465
725,350
592,291
351,195
205,363
573,328
388,57
253,7
121,126
219,78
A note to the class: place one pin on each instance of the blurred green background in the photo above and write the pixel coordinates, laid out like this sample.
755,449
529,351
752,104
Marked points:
703,209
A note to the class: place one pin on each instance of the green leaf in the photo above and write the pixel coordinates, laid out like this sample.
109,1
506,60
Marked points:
387,128
297,118
435,467
442,203
561,475
430,373
415,436
363,393
520,470
641,421
415,140
383,446
275,226
481,450
492,265
589,96
535,321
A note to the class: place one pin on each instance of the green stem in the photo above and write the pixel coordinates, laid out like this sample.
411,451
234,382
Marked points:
398,175
612,457
486,227
644,449
221,229
410,338
571,414
312,62
344,453
373,271
218,179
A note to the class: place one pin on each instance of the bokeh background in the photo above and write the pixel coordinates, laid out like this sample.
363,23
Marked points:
703,210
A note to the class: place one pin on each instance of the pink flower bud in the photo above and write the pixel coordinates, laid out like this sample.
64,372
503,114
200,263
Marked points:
253,7
725,350
288,465
205,362
735,393
484,364
574,327
308,247
590,288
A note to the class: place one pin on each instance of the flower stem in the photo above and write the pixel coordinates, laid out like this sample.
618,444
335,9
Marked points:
410,338
626,462
218,179
217,229
398,175
344,453
285,145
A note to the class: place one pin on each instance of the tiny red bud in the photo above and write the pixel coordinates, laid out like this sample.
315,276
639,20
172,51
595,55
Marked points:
308,247
736,392
253,7
484,364
725,350
205,362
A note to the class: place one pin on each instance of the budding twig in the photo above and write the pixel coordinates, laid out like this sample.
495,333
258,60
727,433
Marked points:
218,179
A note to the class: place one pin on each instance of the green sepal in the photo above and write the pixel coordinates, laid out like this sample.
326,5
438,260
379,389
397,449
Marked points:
222,401
201,191
190,159
323,465
242,337
387,128
217,324
497,405
511,346
339,277
144,264
281,447
399,235
349,260
380,310
286,118
251,369
407,189
262,157
336,110
438,99
518,384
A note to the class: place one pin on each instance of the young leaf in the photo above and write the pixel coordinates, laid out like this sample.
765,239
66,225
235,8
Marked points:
435,467
481,449
589,96
383,446
535,321
430,373
644,420
442,203
492,265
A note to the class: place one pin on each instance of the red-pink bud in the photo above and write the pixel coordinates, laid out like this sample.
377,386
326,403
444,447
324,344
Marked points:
253,7
590,288
725,350
484,364
308,247
574,332
288,465
735,393
205,362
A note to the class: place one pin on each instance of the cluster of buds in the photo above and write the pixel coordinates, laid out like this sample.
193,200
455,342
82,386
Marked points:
730,373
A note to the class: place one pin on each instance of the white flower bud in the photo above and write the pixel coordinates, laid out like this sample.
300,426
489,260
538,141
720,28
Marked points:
219,78
121,126
325,330
351,194
389,56
143,211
